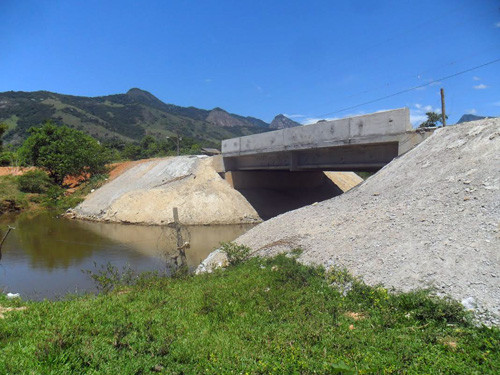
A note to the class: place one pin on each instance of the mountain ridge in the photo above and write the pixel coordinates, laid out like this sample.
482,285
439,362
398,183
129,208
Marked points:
471,117
283,122
126,117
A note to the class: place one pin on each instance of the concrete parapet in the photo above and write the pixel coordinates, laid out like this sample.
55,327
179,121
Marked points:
323,134
360,143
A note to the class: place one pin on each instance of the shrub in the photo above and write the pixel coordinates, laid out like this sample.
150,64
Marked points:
6,158
53,195
235,253
35,181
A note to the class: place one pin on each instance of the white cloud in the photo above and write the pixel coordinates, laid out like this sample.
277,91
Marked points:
475,78
258,88
417,119
497,104
294,115
208,80
497,24
314,120
418,115
429,108
472,111
481,86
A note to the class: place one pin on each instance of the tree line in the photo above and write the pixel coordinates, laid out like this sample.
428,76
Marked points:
62,151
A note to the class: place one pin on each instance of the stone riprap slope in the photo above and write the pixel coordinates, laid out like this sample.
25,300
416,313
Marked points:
428,219
146,194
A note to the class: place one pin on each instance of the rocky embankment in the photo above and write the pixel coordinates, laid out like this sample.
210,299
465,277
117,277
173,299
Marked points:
429,219
147,193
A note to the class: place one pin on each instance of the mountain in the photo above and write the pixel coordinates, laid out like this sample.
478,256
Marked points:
125,117
470,117
282,122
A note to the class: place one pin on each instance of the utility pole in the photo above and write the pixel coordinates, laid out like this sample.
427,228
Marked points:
443,109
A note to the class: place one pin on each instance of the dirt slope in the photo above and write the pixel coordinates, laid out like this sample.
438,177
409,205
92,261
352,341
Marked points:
147,192
428,219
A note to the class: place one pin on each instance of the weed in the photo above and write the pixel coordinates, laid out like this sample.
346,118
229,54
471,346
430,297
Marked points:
36,181
108,277
235,253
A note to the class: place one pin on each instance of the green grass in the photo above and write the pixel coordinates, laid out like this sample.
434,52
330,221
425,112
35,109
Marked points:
270,316
11,198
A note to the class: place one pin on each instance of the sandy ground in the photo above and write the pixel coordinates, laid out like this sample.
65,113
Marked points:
429,219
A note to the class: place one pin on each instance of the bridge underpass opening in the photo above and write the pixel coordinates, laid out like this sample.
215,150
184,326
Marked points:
272,193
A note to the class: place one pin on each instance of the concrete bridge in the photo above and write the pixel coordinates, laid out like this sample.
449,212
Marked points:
360,143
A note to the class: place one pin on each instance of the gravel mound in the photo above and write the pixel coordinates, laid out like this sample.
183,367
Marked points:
146,194
429,219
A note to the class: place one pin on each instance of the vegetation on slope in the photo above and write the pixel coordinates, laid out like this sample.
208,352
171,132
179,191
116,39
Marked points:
261,316
123,118
34,191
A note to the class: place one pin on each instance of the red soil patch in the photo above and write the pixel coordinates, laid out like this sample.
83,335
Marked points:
117,169
72,182
14,171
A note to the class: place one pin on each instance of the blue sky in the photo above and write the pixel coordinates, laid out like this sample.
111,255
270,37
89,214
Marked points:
307,59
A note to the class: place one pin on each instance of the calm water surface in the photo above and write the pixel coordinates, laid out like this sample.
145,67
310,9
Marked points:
44,256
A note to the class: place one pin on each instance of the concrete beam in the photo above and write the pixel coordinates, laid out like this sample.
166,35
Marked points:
360,143
323,134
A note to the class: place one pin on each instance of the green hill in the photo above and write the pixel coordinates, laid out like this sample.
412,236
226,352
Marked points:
124,117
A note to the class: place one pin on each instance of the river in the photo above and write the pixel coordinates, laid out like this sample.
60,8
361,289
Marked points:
47,256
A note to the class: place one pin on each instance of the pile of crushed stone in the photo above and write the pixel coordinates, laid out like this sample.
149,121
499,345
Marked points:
147,193
429,219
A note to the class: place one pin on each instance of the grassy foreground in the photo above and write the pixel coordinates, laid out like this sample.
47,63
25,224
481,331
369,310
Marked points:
262,316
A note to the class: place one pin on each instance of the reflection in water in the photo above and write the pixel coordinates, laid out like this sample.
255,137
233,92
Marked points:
55,243
44,255
161,242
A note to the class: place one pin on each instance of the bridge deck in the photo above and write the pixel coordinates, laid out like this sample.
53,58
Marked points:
361,143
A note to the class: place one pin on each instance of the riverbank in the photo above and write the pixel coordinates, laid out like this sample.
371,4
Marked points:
263,316
13,200
57,199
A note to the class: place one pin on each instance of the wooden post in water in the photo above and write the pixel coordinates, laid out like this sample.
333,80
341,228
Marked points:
180,242
3,240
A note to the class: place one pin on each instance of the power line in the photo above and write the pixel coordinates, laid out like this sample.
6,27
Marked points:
421,73
399,34
411,88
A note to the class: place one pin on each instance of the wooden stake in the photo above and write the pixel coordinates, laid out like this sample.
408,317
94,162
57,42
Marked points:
180,242
443,110
3,240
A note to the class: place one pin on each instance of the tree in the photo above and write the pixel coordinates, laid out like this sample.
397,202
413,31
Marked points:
3,129
432,121
63,151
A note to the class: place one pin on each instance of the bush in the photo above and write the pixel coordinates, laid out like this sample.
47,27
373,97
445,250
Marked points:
235,253
53,195
6,158
35,181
